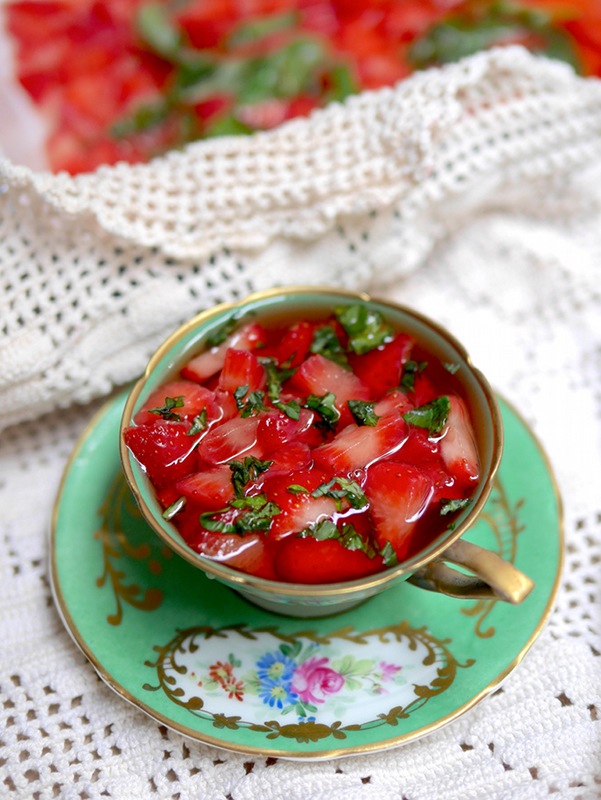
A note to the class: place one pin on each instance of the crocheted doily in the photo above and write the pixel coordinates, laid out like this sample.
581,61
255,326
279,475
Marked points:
471,193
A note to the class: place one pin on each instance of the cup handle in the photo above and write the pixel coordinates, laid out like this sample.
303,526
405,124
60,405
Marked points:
493,577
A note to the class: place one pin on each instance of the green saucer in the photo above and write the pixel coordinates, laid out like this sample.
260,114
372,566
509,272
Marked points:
198,658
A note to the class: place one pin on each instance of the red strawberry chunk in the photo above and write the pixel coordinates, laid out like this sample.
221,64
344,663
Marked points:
212,489
293,344
230,440
298,509
398,496
458,445
381,368
357,447
289,457
195,398
312,561
247,553
164,449
207,364
318,375
241,368
393,401
276,429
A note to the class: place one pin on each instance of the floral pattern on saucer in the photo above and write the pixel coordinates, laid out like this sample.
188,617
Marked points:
319,685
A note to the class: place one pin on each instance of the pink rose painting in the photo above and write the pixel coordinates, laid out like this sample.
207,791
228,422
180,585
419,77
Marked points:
313,681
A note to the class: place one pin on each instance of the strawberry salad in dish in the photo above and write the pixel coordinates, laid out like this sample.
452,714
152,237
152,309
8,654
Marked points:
310,451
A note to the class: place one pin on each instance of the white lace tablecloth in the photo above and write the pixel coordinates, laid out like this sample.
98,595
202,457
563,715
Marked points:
472,194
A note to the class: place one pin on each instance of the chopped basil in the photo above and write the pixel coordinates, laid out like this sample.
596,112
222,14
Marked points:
245,471
324,406
260,511
452,367
253,404
326,343
432,416
222,332
275,378
166,411
291,408
348,490
365,327
389,556
199,423
240,393
410,370
450,506
172,510
363,412
296,488
347,535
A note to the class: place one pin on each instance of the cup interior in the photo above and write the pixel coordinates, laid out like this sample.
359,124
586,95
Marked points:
286,305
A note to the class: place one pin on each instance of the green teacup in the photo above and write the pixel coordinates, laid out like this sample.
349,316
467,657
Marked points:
489,575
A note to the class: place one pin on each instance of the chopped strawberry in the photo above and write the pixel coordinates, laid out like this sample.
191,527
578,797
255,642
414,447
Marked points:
207,364
230,440
276,429
398,496
292,347
290,457
308,560
381,368
164,449
195,399
211,489
394,400
356,447
226,403
247,553
458,445
241,368
318,375
298,508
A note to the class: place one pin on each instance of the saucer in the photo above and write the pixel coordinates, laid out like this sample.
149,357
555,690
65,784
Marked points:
196,657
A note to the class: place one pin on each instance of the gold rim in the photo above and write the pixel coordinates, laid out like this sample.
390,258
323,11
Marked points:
320,755
243,581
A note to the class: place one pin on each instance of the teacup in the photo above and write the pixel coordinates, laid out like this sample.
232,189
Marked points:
489,575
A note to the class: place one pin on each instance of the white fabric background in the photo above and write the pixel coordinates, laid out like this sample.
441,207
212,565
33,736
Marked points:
472,194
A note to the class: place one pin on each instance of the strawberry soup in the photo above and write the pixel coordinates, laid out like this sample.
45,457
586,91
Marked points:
313,450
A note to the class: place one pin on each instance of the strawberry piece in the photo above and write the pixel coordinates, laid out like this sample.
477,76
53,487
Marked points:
357,447
164,449
207,364
398,496
230,440
293,345
393,401
247,553
227,404
195,397
298,510
241,368
312,561
277,429
381,368
458,445
212,489
318,375
290,457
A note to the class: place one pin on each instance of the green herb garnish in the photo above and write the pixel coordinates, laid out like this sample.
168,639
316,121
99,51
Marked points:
222,332
365,327
166,411
326,343
452,367
363,412
410,371
347,490
324,406
275,378
432,416
240,393
389,555
253,404
260,511
450,506
172,510
199,423
245,471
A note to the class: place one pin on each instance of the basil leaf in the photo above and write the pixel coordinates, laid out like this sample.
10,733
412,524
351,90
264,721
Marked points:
257,519
276,376
199,423
222,332
389,556
260,27
450,506
348,490
254,404
239,394
157,31
245,471
172,510
410,370
363,412
324,406
296,488
365,327
326,343
219,525
347,535
451,367
432,416
291,408
166,411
